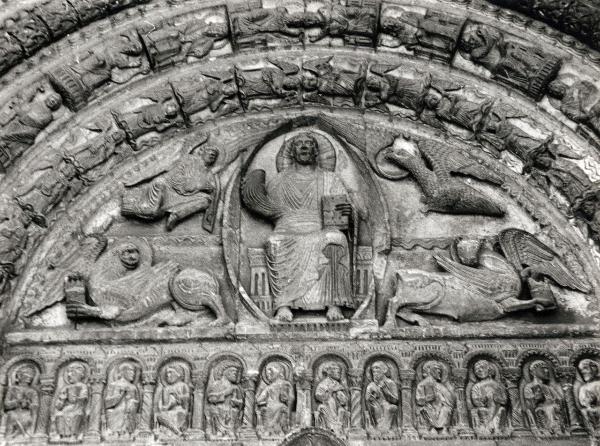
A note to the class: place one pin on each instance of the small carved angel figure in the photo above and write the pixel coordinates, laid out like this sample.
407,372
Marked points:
324,82
579,101
122,401
71,404
225,400
171,44
543,400
381,400
274,401
432,34
356,25
22,401
588,394
332,397
524,67
435,399
280,80
20,125
488,399
172,401
249,27
215,92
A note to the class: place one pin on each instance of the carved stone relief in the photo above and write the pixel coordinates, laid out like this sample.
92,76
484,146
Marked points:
308,222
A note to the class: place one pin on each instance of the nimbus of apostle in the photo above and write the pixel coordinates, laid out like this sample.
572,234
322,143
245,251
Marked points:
308,258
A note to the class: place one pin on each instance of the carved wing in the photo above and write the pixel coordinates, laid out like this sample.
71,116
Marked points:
313,65
286,67
382,69
483,280
451,160
523,249
254,194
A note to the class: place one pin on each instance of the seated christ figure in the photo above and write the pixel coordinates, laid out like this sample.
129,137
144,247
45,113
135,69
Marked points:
308,257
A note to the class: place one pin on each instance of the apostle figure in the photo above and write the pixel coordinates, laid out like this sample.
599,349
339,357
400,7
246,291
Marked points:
274,402
543,400
172,401
122,401
488,399
381,399
225,401
331,395
589,394
307,255
435,399
21,403
71,404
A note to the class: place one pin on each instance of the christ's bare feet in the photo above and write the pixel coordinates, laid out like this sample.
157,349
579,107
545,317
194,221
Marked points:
284,314
334,313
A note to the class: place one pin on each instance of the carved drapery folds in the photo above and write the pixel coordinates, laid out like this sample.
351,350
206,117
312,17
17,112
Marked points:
263,221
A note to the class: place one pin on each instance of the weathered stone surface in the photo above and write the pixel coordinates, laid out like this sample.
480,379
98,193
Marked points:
337,222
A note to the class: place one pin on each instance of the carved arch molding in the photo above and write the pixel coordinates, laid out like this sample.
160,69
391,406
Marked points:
299,222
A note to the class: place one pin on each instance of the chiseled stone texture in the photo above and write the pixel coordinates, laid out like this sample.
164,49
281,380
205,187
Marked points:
315,222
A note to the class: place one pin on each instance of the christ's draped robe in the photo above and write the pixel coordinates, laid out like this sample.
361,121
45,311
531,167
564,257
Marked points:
309,264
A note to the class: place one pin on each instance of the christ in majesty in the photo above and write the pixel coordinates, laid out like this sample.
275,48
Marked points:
307,257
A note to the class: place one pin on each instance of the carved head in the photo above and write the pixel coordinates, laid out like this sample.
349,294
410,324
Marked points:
75,373
589,369
539,369
127,371
274,371
216,29
433,369
53,101
432,100
210,155
129,254
117,136
310,83
173,374
467,251
380,370
170,110
232,373
334,371
305,148
483,369
557,89
474,37
25,375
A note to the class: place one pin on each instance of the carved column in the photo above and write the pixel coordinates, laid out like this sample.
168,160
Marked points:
566,376
199,382
3,384
511,376
304,415
148,382
407,380
356,425
459,378
47,386
93,430
249,386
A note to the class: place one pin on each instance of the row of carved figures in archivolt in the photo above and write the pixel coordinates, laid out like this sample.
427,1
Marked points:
195,36
433,400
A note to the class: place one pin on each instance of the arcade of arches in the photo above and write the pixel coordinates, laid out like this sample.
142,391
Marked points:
304,222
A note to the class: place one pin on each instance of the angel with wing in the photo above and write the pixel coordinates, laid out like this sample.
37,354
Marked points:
185,188
482,284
